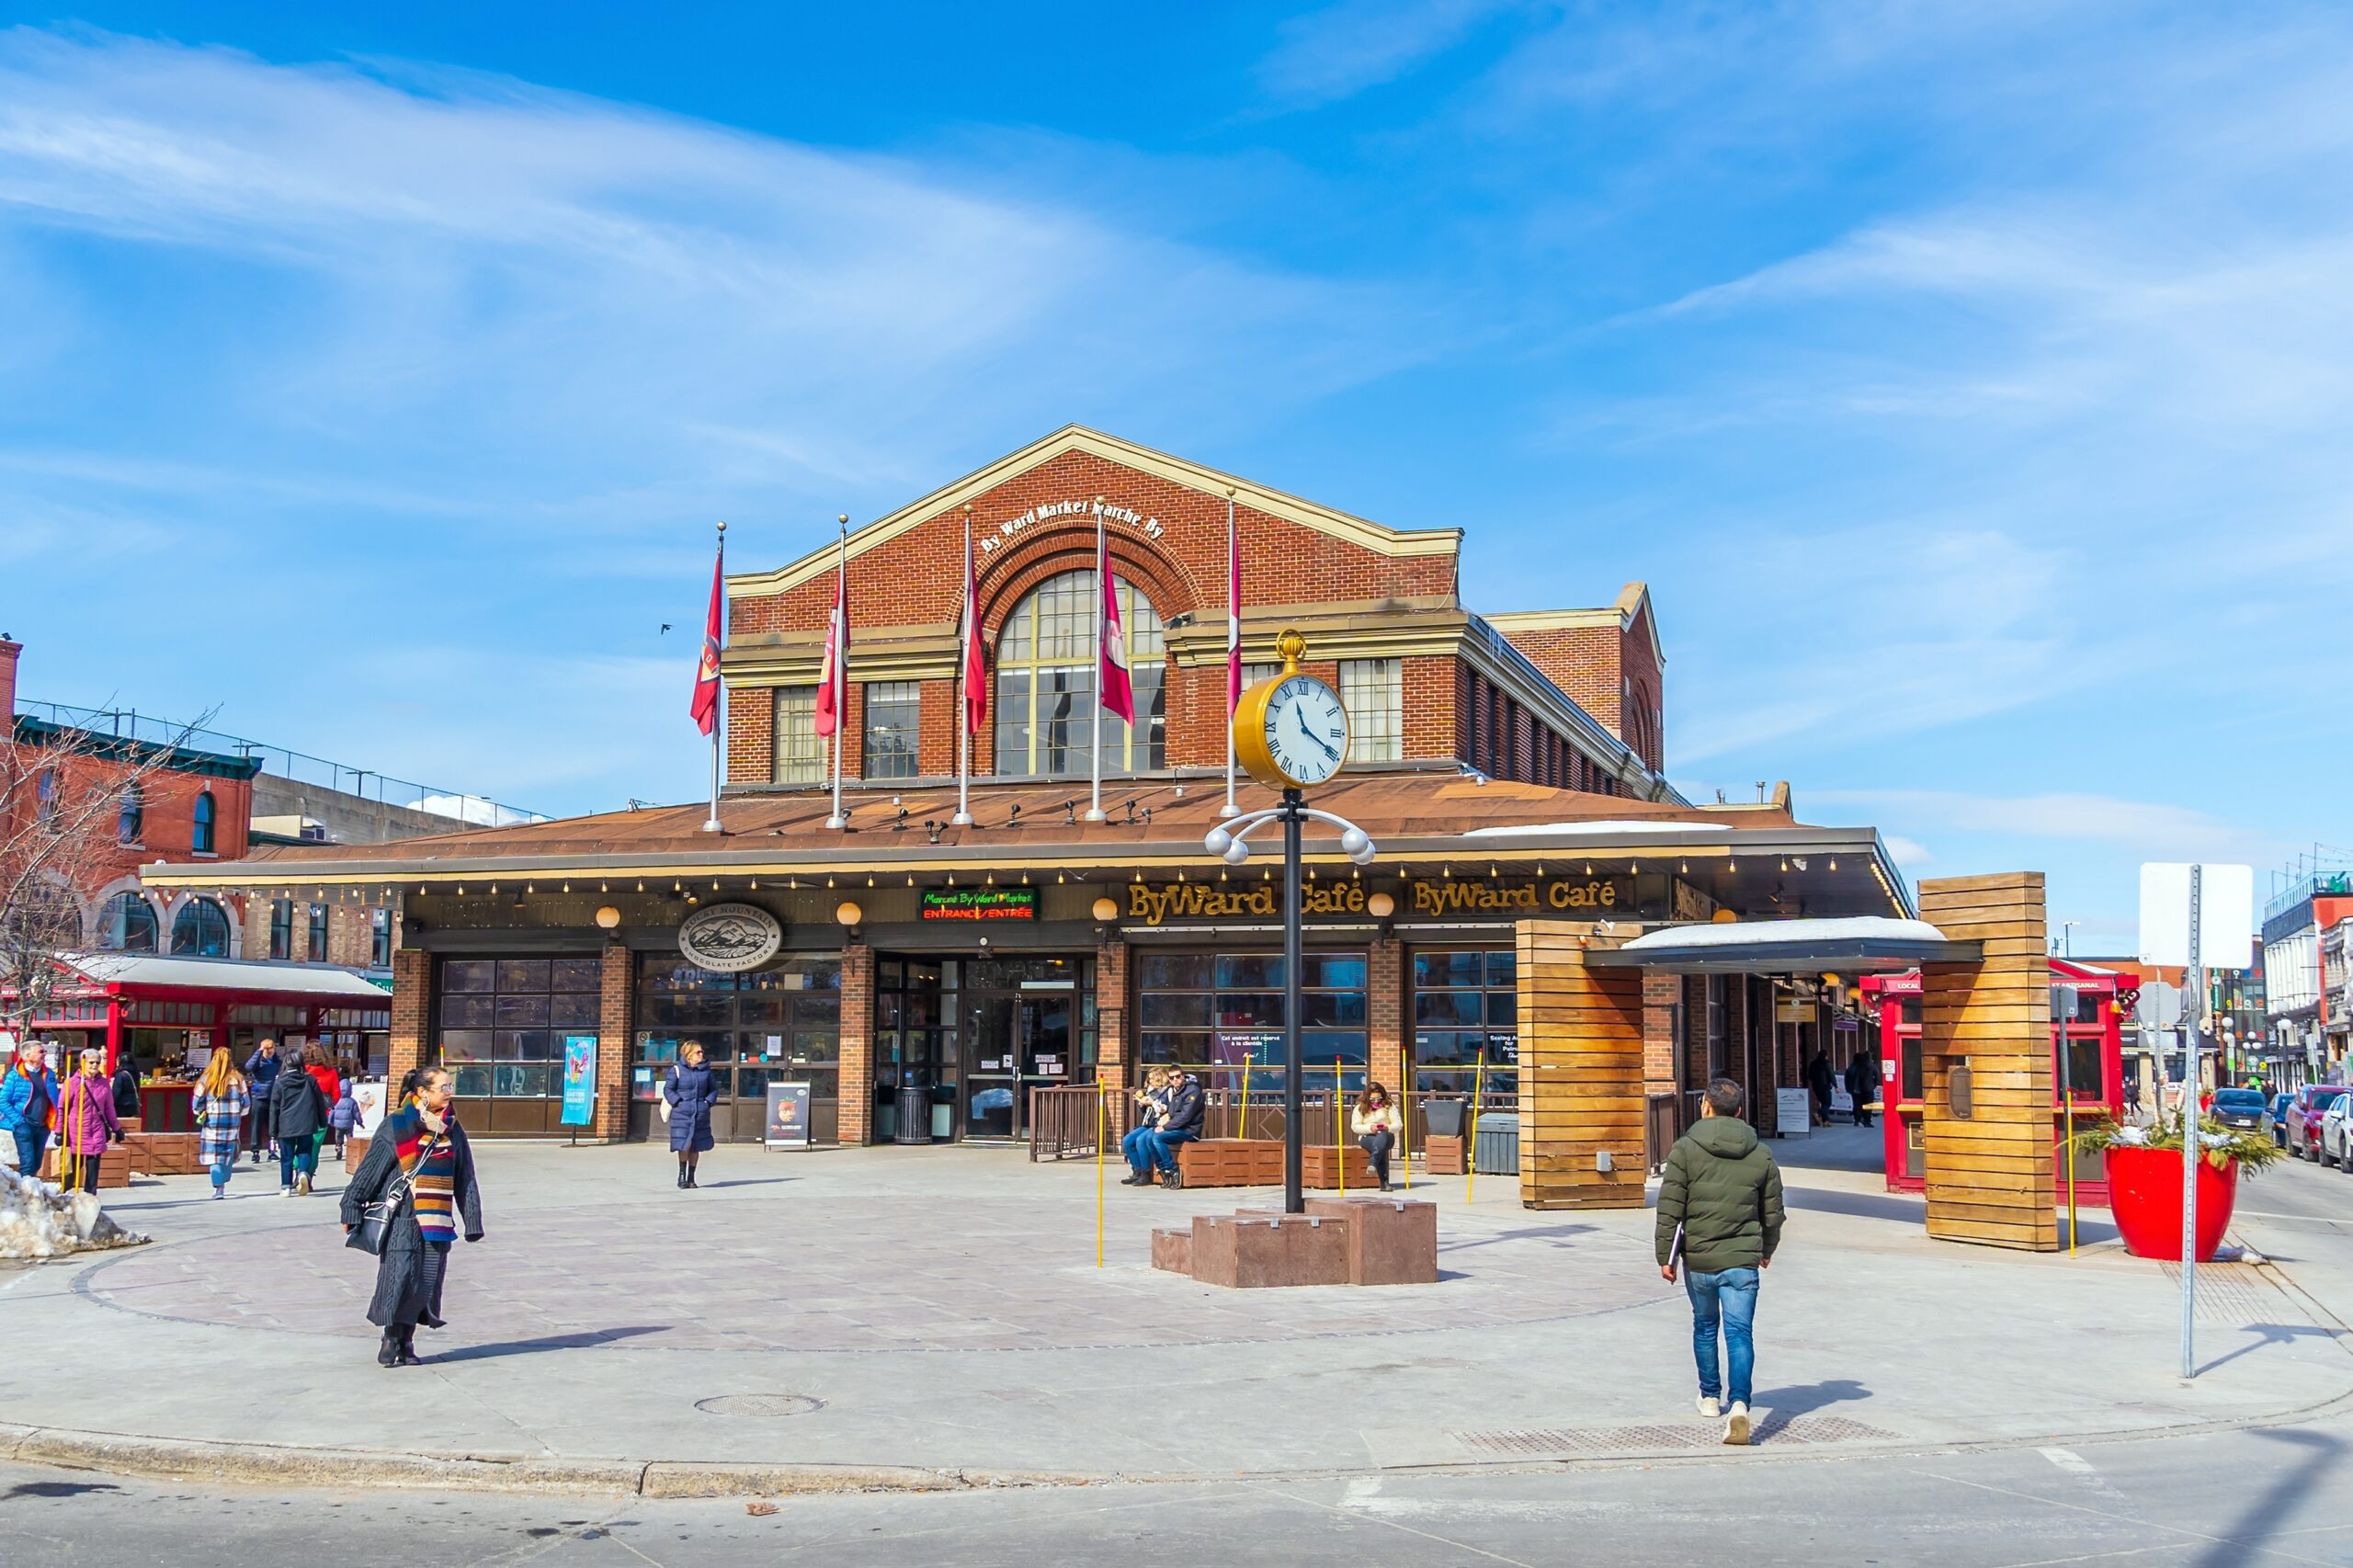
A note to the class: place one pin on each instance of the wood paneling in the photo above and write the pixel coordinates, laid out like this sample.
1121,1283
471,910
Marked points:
1580,1075
1991,1176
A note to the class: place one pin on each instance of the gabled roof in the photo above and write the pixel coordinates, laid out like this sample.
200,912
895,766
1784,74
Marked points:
1633,603
1356,530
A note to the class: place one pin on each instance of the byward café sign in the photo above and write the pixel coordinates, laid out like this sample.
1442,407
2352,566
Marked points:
1156,903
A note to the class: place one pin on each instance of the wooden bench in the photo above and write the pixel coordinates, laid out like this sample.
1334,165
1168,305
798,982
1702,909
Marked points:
1231,1162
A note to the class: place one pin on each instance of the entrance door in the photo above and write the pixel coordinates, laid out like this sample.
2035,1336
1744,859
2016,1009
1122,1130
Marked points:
1018,1042
1045,1036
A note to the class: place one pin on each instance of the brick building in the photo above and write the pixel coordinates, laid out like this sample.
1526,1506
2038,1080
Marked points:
1508,766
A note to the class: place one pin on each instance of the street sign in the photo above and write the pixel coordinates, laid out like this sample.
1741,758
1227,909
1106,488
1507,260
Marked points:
2225,913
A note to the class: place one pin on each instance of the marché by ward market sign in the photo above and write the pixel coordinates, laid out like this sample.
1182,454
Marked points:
1157,903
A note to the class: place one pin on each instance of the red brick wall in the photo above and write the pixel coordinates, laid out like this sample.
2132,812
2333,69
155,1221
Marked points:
1111,1032
858,1044
1661,993
412,972
615,1019
1385,1017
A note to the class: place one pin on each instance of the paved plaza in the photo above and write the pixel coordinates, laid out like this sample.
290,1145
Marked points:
936,1316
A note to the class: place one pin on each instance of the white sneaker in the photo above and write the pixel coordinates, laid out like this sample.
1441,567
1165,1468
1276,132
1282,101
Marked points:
285,1192
1736,1426
1709,1407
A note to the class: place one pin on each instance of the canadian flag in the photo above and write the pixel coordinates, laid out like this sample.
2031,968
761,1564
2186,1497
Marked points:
829,681
976,658
1118,696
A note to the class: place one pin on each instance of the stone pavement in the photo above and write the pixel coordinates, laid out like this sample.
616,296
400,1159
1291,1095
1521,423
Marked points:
940,1312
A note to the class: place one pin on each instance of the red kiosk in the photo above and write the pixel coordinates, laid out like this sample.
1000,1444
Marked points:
2088,1077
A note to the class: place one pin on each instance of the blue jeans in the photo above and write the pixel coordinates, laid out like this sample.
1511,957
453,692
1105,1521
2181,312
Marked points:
1163,1147
1136,1149
29,1147
296,1156
220,1169
1727,1297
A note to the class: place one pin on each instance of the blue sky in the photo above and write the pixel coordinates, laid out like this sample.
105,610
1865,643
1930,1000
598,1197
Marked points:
1971,383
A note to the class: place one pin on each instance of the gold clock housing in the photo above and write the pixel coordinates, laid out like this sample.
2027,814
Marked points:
1251,746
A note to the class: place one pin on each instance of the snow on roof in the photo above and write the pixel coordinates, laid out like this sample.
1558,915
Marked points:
1550,829
226,974
1760,933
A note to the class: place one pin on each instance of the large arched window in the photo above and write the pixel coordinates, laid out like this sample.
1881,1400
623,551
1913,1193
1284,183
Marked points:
1045,683
127,925
200,930
201,839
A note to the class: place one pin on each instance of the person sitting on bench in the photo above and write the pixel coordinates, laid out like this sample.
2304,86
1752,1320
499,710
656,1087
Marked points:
1180,1122
1136,1147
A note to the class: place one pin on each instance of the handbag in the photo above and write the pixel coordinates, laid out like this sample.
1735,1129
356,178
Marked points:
375,1227
662,1101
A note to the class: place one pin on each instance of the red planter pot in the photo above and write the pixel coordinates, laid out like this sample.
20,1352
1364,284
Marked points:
2144,1194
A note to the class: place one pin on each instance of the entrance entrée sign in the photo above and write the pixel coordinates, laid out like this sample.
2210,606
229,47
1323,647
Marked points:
788,1119
979,903
731,938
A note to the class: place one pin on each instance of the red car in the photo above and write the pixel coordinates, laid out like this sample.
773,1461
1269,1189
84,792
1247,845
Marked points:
2305,1107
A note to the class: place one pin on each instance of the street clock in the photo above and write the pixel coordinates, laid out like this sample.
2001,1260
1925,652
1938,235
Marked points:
1290,731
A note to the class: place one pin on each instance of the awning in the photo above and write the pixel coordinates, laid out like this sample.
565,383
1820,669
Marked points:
1855,944
222,974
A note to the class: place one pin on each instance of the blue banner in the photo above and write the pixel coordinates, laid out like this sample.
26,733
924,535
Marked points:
579,1079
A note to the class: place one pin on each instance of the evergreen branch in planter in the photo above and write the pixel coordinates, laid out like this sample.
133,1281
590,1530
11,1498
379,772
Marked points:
2218,1143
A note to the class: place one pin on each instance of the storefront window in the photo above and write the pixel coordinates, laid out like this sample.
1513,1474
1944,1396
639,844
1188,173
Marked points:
1045,683
281,928
1466,1010
891,726
502,1023
315,948
1220,1014
380,938
782,1023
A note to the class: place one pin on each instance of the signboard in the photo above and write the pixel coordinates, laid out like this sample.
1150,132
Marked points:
1841,1102
579,1079
788,1119
369,1098
1794,1110
979,903
731,938
2225,913
1591,897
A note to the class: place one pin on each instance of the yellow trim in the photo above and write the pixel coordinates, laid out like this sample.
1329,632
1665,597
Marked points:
1394,542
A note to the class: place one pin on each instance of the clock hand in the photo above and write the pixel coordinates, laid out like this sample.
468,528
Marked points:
1300,718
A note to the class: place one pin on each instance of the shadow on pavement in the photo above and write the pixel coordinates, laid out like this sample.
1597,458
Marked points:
1862,1205
2268,1333
587,1339
1804,1398
1554,1233
2261,1512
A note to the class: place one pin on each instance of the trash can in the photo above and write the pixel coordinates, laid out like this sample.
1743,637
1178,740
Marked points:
1497,1152
915,1114
1443,1117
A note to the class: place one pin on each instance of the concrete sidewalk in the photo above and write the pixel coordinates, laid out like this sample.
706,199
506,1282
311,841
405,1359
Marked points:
934,1318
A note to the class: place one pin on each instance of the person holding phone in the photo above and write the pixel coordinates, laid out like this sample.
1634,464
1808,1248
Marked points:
1720,1219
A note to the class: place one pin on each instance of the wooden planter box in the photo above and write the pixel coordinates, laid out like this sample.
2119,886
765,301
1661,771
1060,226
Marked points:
160,1153
1231,1162
1442,1156
1319,1166
355,1149
114,1167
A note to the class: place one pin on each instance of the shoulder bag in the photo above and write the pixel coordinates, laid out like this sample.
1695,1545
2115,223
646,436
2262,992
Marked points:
375,1225
662,1101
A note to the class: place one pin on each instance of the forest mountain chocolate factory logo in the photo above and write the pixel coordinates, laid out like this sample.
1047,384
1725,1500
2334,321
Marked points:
731,938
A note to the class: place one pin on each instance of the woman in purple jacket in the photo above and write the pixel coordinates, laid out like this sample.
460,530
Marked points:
85,1124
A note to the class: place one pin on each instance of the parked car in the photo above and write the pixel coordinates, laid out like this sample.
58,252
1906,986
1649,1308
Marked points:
2312,1103
2244,1109
2279,1116
2336,1135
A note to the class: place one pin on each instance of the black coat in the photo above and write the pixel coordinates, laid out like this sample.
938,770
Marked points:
126,1091
1185,1108
396,1270
298,1108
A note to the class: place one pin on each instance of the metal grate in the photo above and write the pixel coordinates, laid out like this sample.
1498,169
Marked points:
2235,1295
1666,1437
759,1404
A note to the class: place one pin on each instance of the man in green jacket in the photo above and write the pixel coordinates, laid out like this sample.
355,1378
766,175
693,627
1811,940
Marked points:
1720,1217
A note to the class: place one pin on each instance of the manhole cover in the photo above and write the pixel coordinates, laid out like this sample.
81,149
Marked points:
759,1404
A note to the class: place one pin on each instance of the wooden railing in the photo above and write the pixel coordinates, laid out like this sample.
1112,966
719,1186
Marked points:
1063,1122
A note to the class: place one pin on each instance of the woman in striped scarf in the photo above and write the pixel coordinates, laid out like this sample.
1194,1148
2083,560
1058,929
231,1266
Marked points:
420,1152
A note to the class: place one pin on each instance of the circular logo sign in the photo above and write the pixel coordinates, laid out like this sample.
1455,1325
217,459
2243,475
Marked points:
731,936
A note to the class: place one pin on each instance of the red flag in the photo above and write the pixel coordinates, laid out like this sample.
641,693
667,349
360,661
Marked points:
829,682
705,706
1232,615
1119,697
976,659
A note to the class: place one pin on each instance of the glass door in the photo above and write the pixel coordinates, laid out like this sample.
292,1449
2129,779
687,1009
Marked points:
991,1079
1043,1032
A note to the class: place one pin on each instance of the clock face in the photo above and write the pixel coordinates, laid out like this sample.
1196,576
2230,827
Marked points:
1307,729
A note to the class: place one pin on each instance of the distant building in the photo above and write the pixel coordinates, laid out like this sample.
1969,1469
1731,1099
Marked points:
2298,1002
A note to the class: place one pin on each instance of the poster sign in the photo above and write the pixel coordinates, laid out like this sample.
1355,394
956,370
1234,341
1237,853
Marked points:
787,1121
369,1098
980,904
1841,1102
1794,1112
579,1079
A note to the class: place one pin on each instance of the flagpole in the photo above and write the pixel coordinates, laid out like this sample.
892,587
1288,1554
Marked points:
963,817
841,664
1094,751
719,703
1232,645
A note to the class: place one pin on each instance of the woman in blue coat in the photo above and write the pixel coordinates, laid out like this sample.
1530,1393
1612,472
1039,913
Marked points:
691,1090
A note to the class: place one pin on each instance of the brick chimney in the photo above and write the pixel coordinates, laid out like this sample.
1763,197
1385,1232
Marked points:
9,652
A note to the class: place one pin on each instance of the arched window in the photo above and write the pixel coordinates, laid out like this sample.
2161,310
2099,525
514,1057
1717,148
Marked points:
45,794
200,930
127,925
1045,683
131,817
202,842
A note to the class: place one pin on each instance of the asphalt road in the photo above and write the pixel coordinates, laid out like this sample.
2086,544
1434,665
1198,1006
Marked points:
2256,1496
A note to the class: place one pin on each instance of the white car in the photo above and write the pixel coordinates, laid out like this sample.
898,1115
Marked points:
2336,1135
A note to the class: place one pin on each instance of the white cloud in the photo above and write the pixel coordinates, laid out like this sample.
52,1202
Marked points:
2155,830
1908,852
1342,50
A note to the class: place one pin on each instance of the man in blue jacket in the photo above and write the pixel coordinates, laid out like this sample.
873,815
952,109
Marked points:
261,1077
28,1104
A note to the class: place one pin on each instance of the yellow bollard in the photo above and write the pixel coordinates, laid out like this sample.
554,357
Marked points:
1471,1145
1406,1140
1248,1057
1102,1115
1340,1127
2070,1174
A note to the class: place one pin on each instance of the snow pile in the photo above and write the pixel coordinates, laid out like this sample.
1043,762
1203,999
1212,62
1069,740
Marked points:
38,1220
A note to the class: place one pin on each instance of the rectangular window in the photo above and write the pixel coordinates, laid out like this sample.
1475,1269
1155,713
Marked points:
315,949
891,708
1465,1010
1374,691
799,750
501,1025
380,938
782,1022
1221,1014
281,928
